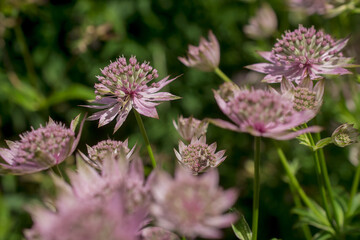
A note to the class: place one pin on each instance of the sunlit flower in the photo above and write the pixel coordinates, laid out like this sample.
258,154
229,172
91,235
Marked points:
303,52
198,156
263,113
123,86
157,233
40,149
192,206
191,127
205,57
263,24
345,135
103,149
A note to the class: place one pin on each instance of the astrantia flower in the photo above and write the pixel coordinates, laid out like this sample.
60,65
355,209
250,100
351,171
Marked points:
157,233
303,52
263,113
40,149
198,156
304,96
192,206
191,127
345,135
124,86
205,57
310,6
263,24
104,149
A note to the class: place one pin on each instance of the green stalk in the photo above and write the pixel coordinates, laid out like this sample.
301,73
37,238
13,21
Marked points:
354,188
255,218
222,75
146,139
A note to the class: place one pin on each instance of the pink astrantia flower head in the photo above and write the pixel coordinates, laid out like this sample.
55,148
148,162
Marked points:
303,52
263,113
205,57
157,233
124,86
103,149
193,206
40,149
304,95
345,135
191,127
310,6
198,156
263,24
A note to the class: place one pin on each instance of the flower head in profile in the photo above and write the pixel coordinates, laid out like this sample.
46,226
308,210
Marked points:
198,156
157,233
303,52
105,149
40,149
191,127
193,206
345,135
124,86
263,24
205,57
263,113
310,7
304,95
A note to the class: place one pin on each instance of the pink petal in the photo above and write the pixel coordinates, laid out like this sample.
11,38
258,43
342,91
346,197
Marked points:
145,108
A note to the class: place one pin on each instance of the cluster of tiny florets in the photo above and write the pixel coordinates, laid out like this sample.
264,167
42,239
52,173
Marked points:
304,99
103,149
198,156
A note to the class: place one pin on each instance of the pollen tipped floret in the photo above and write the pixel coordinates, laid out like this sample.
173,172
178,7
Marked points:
191,127
192,206
304,99
345,135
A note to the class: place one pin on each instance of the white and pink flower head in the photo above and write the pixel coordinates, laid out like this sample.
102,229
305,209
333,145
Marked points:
263,113
302,52
191,127
40,149
124,86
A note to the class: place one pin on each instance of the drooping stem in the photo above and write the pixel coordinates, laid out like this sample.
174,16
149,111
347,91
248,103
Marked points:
222,75
256,193
354,188
146,139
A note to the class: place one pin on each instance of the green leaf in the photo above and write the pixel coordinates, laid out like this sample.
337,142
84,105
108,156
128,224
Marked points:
242,229
304,140
310,218
323,236
322,143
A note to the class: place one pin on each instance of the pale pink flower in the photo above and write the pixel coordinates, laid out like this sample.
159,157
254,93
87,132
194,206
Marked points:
40,149
192,206
263,24
310,6
345,135
103,149
191,127
157,233
303,52
124,86
263,113
205,57
198,156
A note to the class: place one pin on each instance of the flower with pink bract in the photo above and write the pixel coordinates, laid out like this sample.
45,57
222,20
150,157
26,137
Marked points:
303,52
192,206
205,57
157,233
191,127
124,86
40,149
263,113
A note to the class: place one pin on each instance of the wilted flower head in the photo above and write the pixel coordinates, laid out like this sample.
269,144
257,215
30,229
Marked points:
191,127
205,57
304,95
40,149
192,205
198,156
157,233
345,135
263,24
262,113
124,86
303,52
105,149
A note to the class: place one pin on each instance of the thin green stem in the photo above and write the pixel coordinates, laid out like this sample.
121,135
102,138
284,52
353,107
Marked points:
222,75
183,238
255,219
146,139
354,188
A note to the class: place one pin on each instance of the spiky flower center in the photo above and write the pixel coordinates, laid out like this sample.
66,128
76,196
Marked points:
304,47
103,149
51,139
198,156
259,108
125,80
304,99
343,139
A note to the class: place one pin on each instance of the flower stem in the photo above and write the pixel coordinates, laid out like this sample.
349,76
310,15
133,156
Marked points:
354,188
146,139
256,188
222,75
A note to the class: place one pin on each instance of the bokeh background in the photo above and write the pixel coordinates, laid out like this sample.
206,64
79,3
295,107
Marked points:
51,51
